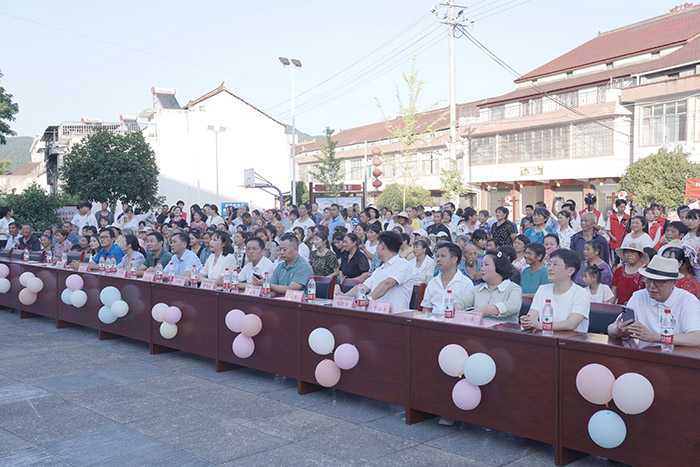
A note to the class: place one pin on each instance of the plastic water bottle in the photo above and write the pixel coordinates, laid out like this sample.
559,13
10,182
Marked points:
132,270
49,257
449,304
158,274
667,327
548,318
311,290
228,278
102,265
64,259
25,255
266,284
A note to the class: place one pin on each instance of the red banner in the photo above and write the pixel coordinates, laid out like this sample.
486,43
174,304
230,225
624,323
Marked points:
692,188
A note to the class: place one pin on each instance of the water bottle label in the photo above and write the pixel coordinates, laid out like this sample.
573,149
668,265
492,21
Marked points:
666,338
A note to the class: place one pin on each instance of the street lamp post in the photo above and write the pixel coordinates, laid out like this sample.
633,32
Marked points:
292,63
216,131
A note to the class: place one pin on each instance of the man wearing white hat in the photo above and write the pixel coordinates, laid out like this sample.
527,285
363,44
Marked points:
660,276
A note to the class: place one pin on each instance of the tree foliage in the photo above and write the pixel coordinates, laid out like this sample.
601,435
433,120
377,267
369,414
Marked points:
660,177
34,206
327,170
393,196
451,183
112,167
8,109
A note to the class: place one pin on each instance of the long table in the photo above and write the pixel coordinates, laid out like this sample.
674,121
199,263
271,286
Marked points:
533,394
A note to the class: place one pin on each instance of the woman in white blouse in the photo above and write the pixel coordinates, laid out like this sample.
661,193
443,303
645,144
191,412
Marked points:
221,257
637,233
133,253
423,264
565,230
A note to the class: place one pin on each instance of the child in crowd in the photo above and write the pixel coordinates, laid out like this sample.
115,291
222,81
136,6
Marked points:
626,278
600,293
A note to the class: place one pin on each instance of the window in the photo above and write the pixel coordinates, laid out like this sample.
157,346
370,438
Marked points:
609,65
531,107
569,99
664,123
483,150
534,145
430,163
593,139
388,166
498,112
356,169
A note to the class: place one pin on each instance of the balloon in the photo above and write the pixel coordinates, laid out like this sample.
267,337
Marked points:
35,284
172,315
106,316
120,308
158,310
168,330
607,429
66,295
4,271
346,356
465,395
27,297
243,346
479,369
109,295
78,298
24,278
251,325
327,373
234,320
321,341
595,383
74,282
451,359
5,285
632,393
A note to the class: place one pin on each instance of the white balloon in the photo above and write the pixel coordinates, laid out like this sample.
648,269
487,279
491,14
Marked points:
35,284
167,330
78,298
66,296
106,316
24,278
5,285
451,359
321,341
109,295
158,310
479,369
607,429
633,393
120,308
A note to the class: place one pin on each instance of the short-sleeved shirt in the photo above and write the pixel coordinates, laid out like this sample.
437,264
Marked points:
298,272
462,291
626,284
578,242
606,275
180,265
354,266
263,266
401,271
575,300
501,233
152,260
684,307
324,265
437,228
114,252
531,280
506,296
602,295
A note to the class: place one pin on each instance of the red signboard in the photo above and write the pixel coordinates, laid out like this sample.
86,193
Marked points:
692,188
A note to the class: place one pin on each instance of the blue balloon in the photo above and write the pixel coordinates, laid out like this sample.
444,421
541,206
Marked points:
109,295
607,429
65,296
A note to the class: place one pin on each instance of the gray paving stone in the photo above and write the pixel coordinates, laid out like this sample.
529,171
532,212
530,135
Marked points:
295,425
33,456
289,455
158,455
130,372
427,430
10,443
137,408
290,396
232,403
424,455
18,392
106,394
170,384
256,382
76,382
353,408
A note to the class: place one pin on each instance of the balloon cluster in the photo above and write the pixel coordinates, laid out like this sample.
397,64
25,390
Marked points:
631,392
113,307
478,369
32,286
345,357
73,294
168,317
247,326
4,281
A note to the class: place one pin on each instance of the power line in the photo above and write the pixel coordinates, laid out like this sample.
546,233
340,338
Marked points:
482,16
496,9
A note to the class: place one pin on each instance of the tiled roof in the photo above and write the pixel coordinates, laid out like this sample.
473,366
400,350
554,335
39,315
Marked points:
649,35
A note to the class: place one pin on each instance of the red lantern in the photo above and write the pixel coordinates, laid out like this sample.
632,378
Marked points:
377,183
376,172
376,161
376,151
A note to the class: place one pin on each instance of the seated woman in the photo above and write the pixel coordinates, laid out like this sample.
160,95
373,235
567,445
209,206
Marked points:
422,263
497,297
353,263
221,258
571,303
323,260
134,256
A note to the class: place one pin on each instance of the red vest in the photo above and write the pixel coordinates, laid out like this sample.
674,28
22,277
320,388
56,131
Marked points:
618,228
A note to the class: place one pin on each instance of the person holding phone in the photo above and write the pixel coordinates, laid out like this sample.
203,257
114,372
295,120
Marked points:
257,264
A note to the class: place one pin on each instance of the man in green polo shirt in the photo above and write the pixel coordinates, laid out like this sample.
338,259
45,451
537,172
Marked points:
156,254
293,272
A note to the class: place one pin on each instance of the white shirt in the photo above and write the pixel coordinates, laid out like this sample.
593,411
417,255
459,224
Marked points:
507,297
643,240
576,223
424,273
214,220
12,241
565,237
401,271
214,268
5,227
685,308
462,292
371,248
602,295
575,300
304,224
304,251
81,221
263,266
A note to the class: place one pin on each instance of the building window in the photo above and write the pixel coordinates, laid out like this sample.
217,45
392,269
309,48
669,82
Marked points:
356,169
498,112
664,123
568,99
593,139
483,150
534,145
388,166
429,163
609,66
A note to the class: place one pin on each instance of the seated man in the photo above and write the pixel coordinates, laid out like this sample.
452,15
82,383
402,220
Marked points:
108,249
571,303
293,272
256,265
661,292
448,256
27,241
391,282
156,254
183,260
13,237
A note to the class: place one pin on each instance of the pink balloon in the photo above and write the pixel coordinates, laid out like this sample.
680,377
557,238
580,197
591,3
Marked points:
4,271
465,395
74,282
243,346
633,393
327,373
595,383
234,320
251,325
172,315
346,356
27,297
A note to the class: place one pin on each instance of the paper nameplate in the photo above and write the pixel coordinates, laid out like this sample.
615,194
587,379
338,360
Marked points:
179,280
379,307
294,295
252,290
208,284
149,276
83,267
120,273
342,302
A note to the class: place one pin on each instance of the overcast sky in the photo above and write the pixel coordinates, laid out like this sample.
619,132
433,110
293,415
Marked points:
64,61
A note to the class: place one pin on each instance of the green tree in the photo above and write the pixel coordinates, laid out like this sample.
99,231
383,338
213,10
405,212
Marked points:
34,206
395,196
302,193
111,167
8,109
660,177
5,167
327,170
451,183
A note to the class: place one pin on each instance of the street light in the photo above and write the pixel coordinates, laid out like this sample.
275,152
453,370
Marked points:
216,131
292,63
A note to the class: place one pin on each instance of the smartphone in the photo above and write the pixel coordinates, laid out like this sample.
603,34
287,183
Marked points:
257,276
627,315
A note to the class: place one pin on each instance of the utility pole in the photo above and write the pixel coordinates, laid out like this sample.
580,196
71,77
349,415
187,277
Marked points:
451,78
292,63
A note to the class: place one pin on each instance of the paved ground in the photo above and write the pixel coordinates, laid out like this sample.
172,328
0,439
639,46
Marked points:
68,399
